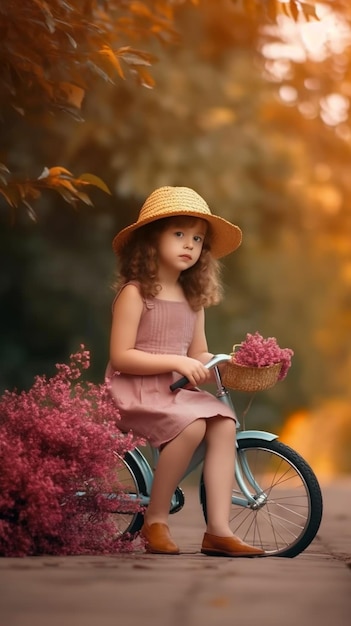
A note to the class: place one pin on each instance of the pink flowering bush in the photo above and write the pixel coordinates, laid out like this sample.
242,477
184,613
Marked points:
256,351
58,438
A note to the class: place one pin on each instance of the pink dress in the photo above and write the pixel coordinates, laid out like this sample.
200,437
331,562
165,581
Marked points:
146,404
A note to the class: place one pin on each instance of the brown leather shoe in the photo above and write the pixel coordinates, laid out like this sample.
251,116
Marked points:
213,545
158,539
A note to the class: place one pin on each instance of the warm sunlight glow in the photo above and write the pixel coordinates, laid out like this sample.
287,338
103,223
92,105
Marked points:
292,42
302,40
321,436
288,94
334,109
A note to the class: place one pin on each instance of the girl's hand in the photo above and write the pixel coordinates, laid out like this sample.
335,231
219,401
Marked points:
194,370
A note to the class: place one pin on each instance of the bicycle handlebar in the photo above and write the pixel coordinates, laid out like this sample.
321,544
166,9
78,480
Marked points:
217,359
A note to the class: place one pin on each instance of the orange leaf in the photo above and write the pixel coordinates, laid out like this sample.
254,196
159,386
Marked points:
144,77
107,52
139,8
135,57
53,172
58,171
65,183
72,93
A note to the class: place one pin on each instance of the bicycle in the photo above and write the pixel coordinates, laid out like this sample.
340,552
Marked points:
276,503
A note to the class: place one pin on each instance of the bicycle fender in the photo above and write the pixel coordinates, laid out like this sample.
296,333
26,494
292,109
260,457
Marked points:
144,466
256,434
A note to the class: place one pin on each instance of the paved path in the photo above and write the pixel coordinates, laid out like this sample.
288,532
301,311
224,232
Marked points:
190,589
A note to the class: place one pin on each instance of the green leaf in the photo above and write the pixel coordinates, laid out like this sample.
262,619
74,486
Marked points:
96,181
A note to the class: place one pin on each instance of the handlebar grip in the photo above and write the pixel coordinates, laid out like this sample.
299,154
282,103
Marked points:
216,360
179,383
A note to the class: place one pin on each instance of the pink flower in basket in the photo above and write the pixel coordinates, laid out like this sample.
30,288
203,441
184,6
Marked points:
256,351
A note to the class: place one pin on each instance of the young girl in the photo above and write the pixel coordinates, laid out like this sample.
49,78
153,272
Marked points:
168,274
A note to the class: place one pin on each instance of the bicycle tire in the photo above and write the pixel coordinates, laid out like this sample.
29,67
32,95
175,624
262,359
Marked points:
288,510
130,480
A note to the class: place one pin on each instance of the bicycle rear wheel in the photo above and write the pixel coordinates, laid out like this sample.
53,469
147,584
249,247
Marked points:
130,484
287,510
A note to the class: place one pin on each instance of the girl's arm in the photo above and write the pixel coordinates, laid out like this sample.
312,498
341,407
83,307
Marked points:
125,358
198,348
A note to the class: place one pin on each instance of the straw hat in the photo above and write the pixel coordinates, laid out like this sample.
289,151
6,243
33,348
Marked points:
173,201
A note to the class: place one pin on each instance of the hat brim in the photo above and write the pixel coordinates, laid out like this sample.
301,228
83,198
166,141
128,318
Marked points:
225,236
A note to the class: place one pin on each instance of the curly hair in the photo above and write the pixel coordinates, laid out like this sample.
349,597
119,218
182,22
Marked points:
139,262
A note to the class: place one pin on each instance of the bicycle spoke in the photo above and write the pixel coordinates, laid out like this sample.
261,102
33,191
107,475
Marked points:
284,510
282,513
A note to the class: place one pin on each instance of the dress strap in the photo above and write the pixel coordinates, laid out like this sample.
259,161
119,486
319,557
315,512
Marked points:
148,302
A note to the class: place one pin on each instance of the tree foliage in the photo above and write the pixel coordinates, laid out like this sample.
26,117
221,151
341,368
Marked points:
51,55
57,178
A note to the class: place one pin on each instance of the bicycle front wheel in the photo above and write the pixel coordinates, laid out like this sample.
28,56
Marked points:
286,511
130,485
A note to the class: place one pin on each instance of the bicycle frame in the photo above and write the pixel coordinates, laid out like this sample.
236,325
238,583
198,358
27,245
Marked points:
249,500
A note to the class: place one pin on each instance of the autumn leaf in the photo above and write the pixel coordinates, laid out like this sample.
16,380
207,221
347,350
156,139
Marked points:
94,180
108,53
54,171
57,178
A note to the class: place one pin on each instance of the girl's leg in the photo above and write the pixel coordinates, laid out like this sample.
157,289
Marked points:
172,463
219,474
219,477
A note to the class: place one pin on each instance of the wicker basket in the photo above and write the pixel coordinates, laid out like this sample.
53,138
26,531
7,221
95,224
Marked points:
243,378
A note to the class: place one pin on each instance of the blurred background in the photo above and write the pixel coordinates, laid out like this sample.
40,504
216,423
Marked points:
251,109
